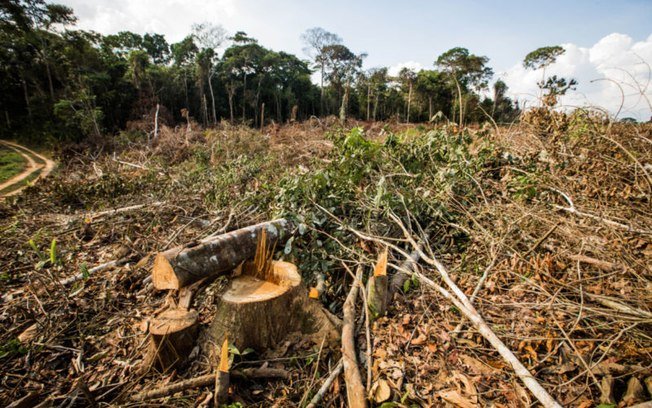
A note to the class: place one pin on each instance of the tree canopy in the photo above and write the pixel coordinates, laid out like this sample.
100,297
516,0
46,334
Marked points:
60,82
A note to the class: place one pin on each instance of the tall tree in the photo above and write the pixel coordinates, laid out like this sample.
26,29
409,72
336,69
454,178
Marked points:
466,70
210,38
540,59
342,67
407,77
317,42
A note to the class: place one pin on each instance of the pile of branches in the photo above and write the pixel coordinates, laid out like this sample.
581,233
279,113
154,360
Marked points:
537,241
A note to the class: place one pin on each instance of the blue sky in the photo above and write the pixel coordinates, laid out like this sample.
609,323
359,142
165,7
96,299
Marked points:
394,33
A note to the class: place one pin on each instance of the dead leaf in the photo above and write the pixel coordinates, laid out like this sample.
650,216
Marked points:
476,366
381,391
456,398
29,334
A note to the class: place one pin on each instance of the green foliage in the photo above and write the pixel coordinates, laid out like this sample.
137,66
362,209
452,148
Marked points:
53,252
542,57
12,348
523,187
417,172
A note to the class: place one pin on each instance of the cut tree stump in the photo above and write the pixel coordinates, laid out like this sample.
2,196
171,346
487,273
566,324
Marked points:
172,336
184,265
377,288
260,314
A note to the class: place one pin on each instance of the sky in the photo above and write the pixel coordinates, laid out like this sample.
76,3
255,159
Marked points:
609,41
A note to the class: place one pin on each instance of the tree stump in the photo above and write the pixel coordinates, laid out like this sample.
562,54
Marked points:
260,314
172,336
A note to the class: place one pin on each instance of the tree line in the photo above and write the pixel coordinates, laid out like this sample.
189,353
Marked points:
60,82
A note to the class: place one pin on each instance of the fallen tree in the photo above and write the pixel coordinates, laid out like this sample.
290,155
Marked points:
184,265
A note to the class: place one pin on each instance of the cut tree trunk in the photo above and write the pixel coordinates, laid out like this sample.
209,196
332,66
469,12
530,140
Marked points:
377,288
172,337
184,265
260,314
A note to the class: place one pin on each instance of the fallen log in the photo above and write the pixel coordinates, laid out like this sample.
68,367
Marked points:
172,337
355,392
181,266
209,379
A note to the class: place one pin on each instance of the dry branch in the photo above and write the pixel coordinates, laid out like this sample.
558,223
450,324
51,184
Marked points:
355,393
460,300
326,385
208,380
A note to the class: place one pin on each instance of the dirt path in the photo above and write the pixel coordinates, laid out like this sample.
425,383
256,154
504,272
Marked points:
32,167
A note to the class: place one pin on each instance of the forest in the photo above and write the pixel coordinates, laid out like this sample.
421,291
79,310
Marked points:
63,84
212,223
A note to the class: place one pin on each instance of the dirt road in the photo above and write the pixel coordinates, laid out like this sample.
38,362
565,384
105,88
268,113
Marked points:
42,169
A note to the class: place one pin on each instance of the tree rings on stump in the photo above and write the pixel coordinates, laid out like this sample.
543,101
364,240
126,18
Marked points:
260,314
172,337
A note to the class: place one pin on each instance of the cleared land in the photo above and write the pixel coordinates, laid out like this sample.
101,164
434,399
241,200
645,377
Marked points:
550,228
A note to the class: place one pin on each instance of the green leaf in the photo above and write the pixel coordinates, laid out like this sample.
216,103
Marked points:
406,285
288,246
84,271
53,251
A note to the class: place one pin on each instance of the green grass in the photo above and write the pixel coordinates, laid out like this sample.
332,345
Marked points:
11,163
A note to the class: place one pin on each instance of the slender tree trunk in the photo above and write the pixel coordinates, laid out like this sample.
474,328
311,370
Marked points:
429,108
409,103
368,101
376,105
244,97
321,95
459,94
260,80
210,87
7,119
279,115
231,115
345,103
27,105
156,123
205,109
262,116
185,88
49,74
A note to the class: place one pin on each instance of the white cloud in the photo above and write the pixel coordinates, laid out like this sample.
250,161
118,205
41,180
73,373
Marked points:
170,17
614,60
396,68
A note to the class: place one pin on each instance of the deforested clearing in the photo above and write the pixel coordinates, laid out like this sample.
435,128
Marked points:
233,233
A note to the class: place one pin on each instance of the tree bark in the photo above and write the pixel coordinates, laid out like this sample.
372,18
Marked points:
345,103
368,101
172,337
459,94
260,314
181,266
355,394
409,103
210,88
